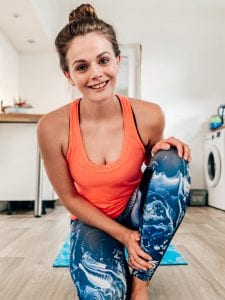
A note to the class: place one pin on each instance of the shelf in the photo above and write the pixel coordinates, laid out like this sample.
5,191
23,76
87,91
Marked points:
20,118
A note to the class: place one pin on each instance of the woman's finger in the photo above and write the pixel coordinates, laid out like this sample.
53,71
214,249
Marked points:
187,152
143,254
138,264
142,262
160,146
179,147
182,148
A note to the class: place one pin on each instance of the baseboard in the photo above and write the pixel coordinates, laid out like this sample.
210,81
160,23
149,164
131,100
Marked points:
58,202
2,206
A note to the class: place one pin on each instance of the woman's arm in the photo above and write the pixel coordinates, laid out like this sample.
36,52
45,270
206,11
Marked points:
154,122
157,142
50,138
151,123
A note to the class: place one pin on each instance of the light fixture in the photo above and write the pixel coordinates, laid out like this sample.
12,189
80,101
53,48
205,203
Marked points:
31,41
16,15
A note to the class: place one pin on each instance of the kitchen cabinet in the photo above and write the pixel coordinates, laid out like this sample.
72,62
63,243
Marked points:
22,175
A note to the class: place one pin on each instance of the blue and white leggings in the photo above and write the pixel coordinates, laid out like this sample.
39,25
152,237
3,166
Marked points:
98,266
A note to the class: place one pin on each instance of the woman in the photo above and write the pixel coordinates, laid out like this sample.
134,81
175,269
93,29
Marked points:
93,150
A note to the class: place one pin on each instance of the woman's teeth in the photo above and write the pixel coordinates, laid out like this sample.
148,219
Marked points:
99,86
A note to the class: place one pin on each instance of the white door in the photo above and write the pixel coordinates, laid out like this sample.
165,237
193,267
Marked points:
129,77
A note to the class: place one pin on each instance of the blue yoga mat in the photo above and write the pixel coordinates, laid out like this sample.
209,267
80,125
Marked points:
171,257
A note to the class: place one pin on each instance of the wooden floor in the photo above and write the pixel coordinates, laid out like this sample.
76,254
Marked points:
29,245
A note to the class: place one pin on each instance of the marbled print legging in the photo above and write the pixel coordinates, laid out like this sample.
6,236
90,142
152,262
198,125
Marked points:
97,263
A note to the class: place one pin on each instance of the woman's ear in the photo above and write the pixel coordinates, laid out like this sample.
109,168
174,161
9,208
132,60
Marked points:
118,58
67,74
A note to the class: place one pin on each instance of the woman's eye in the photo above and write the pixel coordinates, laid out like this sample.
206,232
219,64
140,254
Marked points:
82,67
104,61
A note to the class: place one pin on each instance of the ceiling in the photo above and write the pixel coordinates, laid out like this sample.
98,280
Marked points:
24,21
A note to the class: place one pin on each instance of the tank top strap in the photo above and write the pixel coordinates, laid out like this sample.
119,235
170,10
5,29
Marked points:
130,120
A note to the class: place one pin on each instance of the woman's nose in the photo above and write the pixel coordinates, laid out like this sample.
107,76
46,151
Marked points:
96,71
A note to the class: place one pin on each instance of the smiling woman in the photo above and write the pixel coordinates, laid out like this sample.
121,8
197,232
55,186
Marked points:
92,66
94,150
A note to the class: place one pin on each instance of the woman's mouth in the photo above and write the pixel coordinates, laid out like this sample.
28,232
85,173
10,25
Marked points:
99,86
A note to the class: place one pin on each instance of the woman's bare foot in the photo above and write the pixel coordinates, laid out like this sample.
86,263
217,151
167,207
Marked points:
139,289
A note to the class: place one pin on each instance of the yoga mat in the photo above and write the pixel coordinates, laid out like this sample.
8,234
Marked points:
171,257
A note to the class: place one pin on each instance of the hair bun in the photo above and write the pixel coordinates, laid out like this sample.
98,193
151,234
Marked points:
82,12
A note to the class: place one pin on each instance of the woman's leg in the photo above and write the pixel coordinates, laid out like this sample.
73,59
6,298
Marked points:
160,205
97,264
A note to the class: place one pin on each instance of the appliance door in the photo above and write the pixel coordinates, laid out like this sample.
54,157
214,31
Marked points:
212,166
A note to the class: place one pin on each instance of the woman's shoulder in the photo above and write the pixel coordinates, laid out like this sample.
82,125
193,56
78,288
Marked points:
54,125
149,118
144,104
147,112
55,118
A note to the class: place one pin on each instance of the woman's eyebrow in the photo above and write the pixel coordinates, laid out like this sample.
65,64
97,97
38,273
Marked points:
83,60
78,61
105,52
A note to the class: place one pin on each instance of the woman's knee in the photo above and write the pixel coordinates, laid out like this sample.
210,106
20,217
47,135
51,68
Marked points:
169,175
169,163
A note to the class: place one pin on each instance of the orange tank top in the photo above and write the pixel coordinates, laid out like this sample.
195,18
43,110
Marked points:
108,187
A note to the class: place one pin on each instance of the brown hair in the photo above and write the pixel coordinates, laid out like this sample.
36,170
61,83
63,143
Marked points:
83,20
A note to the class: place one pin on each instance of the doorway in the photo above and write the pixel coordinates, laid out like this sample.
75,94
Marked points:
129,76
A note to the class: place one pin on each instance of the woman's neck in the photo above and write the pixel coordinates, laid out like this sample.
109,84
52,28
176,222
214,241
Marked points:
99,110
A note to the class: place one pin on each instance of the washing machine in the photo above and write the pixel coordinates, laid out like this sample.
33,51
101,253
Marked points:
214,167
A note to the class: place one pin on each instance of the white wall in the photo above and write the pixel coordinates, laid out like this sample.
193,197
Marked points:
8,71
42,82
182,69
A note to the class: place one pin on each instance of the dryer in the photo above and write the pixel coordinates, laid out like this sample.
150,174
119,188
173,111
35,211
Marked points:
214,167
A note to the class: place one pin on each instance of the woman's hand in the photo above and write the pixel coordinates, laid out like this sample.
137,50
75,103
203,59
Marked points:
137,258
165,144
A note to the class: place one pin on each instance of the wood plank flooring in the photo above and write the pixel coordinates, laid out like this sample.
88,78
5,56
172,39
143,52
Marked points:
29,245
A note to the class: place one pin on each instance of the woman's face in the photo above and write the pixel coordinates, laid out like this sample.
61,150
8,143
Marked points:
93,66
